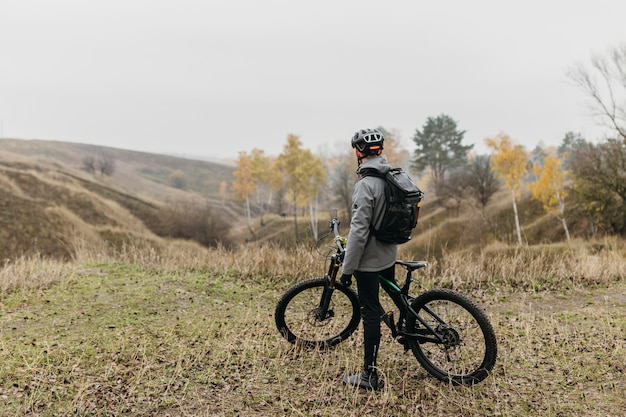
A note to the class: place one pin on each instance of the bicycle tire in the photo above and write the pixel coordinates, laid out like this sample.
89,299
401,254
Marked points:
297,322
470,352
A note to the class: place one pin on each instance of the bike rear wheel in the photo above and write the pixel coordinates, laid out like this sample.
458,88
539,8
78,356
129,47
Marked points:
469,351
298,318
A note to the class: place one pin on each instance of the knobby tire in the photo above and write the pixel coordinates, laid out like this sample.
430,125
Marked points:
297,319
470,353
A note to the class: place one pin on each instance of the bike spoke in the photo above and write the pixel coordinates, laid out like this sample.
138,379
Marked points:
463,352
304,321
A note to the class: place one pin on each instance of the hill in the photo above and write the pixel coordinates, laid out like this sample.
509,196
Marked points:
50,205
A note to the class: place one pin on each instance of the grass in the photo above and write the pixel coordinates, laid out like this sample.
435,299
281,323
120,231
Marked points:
189,332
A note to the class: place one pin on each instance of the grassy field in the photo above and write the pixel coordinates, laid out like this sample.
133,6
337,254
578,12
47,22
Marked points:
190,332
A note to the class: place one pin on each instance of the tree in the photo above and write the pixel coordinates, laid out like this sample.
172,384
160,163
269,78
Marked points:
608,95
177,179
343,169
89,164
439,148
194,219
276,183
260,167
316,181
396,154
549,188
244,184
106,166
570,144
301,175
482,180
455,188
509,164
599,173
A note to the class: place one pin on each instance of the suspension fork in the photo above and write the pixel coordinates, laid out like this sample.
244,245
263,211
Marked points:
329,288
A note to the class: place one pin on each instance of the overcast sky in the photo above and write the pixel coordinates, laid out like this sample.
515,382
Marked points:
215,77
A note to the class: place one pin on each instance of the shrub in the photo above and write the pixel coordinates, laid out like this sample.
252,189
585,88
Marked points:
194,219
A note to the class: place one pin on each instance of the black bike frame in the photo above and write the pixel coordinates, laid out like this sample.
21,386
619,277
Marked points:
402,300
399,296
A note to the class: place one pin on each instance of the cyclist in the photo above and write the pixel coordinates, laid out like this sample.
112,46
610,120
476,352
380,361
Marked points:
367,258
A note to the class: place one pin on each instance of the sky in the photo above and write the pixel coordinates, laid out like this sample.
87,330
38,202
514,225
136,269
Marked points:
213,78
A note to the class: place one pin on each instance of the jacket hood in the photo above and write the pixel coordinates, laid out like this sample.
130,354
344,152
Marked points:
379,163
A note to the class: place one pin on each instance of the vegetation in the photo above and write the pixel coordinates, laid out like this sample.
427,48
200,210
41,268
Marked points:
600,184
136,292
549,188
303,177
189,331
439,147
509,163
604,84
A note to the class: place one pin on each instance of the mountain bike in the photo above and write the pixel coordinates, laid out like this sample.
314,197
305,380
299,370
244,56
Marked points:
447,332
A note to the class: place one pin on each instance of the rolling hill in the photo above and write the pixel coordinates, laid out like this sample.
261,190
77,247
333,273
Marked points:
50,205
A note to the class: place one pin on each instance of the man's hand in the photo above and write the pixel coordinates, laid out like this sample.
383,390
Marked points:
346,279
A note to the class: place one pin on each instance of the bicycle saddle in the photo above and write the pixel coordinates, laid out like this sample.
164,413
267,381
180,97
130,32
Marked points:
412,265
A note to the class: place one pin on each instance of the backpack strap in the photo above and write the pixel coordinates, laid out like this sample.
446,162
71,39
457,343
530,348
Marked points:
371,172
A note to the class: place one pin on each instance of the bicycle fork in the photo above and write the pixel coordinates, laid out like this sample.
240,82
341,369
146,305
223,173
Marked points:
323,311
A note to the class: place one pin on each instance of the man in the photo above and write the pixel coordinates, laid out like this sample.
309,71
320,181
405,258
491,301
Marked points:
367,258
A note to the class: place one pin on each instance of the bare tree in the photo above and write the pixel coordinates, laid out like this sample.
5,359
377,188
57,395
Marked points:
89,164
482,180
605,83
106,166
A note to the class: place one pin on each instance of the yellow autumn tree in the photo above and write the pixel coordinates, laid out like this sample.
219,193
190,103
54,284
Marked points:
508,162
300,174
549,188
244,183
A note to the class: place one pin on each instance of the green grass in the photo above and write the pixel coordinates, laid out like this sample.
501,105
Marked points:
195,337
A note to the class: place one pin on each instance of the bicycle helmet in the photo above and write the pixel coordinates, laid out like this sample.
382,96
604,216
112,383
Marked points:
368,141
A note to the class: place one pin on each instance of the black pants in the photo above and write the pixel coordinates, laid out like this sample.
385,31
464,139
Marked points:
368,284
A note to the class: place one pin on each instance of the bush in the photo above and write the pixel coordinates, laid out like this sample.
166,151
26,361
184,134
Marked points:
195,220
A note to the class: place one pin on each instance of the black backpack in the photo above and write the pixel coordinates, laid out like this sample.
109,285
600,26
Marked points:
402,204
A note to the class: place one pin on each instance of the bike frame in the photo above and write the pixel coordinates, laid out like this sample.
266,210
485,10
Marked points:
399,295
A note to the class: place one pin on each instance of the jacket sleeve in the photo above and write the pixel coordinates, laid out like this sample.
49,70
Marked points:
362,211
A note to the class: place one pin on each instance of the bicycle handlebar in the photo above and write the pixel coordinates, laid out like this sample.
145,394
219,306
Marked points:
340,241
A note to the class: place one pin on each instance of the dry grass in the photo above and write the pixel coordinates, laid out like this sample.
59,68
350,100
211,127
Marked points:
31,273
184,331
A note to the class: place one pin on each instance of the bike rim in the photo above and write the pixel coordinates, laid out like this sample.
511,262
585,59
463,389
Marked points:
302,319
464,351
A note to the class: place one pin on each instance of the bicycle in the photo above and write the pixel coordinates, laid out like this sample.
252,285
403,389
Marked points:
447,332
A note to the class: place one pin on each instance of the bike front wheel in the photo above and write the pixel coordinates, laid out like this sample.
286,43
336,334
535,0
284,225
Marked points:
466,349
301,319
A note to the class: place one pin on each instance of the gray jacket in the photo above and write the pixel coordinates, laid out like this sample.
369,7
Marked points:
363,251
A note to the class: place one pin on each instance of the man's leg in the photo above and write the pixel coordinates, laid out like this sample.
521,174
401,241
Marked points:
368,289
371,312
